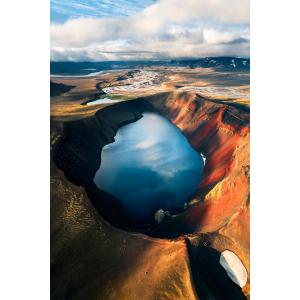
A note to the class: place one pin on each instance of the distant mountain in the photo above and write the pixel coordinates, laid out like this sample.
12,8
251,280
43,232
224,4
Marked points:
224,64
218,63
56,89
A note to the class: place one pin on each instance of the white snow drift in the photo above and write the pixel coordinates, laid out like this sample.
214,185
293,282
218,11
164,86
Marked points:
234,267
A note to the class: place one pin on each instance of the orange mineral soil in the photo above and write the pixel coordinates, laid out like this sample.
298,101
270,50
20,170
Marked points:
222,203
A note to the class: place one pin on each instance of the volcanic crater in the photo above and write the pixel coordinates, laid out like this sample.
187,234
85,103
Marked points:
177,258
219,131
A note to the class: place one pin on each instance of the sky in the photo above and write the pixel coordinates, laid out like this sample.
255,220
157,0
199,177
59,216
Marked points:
101,30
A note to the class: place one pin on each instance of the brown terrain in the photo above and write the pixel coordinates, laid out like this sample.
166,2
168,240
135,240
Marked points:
96,253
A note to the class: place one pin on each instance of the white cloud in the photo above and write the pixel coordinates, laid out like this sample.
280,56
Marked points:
168,28
182,11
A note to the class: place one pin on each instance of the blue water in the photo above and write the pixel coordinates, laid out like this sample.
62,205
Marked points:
150,166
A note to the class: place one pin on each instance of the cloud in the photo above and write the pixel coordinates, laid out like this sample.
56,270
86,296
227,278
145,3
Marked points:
181,11
165,29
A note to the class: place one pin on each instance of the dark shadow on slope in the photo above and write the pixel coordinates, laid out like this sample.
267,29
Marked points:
210,279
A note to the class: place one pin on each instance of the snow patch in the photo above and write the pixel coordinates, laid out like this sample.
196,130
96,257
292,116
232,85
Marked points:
234,268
